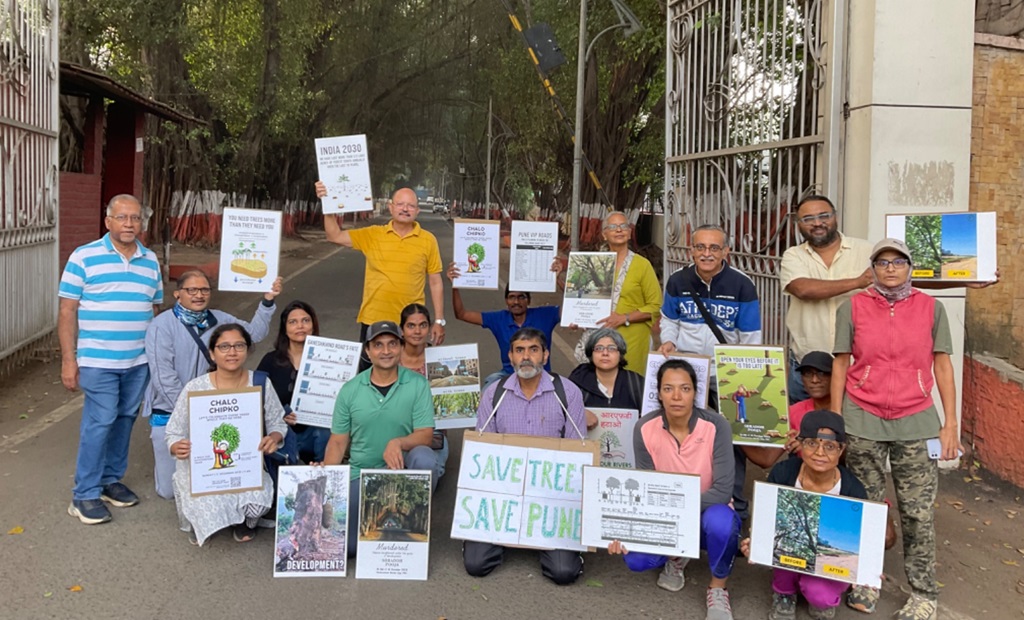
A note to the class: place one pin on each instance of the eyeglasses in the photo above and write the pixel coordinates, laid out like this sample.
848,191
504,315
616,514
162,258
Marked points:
611,348
193,291
821,217
623,226
829,447
815,374
380,345
120,219
898,263
227,346
714,248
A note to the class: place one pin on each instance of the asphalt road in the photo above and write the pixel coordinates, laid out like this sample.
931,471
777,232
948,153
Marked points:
141,566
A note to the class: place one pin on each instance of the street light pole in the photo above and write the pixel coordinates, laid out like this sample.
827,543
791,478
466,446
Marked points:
490,137
577,156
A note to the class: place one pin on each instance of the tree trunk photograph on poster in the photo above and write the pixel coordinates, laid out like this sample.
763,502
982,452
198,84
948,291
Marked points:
312,522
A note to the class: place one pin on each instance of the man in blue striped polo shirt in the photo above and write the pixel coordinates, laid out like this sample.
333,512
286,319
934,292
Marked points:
109,292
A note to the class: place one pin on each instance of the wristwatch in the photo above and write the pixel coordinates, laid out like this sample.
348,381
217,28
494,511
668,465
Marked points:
441,322
627,320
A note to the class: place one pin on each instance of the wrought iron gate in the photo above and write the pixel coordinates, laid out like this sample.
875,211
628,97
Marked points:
749,99
28,172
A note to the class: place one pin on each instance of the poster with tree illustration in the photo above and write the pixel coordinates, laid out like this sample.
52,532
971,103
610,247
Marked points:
312,522
344,167
225,428
250,250
588,288
614,433
477,248
394,524
752,393
840,538
950,247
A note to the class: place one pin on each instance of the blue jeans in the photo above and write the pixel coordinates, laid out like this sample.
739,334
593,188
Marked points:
719,536
795,383
312,440
112,400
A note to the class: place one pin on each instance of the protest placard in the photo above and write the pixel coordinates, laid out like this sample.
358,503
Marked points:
326,365
522,491
477,252
614,435
752,393
250,250
312,521
225,428
534,247
948,247
647,511
394,524
454,375
588,288
840,538
701,364
344,167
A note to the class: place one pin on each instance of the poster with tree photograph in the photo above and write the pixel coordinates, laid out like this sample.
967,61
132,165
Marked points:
454,375
588,288
951,247
394,524
312,522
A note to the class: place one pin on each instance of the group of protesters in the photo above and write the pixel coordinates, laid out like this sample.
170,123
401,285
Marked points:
866,350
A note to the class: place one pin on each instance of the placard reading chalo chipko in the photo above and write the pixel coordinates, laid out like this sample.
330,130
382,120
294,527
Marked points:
477,252
454,375
614,435
344,168
948,247
394,524
225,428
250,250
588,288
647,511
534,247
752,393
701,365
831,536
312,522
515,490
326,365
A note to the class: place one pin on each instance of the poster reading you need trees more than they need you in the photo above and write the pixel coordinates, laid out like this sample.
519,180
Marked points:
250,250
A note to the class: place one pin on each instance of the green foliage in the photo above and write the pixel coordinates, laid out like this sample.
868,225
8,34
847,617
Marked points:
796,530
228,433
924,239
289,501
284,522
477,249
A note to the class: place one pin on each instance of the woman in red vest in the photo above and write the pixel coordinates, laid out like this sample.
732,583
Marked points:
900,345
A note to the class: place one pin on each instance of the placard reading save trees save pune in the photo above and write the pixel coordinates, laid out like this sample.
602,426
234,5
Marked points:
522,491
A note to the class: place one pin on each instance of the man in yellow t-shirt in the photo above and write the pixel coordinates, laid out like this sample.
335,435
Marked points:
401,257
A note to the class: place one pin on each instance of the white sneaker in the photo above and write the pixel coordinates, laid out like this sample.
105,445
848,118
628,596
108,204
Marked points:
671,577
719,607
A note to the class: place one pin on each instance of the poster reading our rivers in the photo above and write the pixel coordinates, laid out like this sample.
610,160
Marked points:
344,168
250,250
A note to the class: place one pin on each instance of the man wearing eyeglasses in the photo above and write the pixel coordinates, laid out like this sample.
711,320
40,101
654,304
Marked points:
108,293
177,351
400,258
386,414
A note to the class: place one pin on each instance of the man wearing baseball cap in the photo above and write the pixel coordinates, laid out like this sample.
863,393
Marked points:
386,415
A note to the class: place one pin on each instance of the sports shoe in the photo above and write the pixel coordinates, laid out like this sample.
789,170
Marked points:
119,495
917,608
783,607
671,577
821,613
862,599
89,511
718,604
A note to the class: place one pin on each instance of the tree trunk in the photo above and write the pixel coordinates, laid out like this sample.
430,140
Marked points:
309,510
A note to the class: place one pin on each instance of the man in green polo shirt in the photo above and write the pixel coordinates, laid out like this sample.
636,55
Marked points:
386,414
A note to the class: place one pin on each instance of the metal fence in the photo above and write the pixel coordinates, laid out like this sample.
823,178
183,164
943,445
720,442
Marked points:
747,91
28,173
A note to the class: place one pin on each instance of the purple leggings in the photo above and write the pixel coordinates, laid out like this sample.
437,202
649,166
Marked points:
719,535
818,591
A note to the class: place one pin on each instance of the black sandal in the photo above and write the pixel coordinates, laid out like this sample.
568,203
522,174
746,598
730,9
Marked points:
243,533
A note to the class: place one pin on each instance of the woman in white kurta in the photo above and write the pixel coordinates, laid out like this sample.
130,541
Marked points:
203,516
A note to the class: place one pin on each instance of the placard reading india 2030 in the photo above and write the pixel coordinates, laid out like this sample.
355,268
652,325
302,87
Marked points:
345,169
225,428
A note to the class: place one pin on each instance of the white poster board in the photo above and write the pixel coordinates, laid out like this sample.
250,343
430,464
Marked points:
393,543
225,428
701,364
647,511
454,375
588,288
534,247
326,365
522,491
344,167
250,250
830,536
476,254
614,435
311,533
948,247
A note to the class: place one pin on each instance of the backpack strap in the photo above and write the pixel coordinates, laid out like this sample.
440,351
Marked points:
556,380
199,342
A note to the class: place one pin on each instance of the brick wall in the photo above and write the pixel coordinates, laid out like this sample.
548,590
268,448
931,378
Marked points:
81,211
993,415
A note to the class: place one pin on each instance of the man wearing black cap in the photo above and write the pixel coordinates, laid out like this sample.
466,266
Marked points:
387,415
